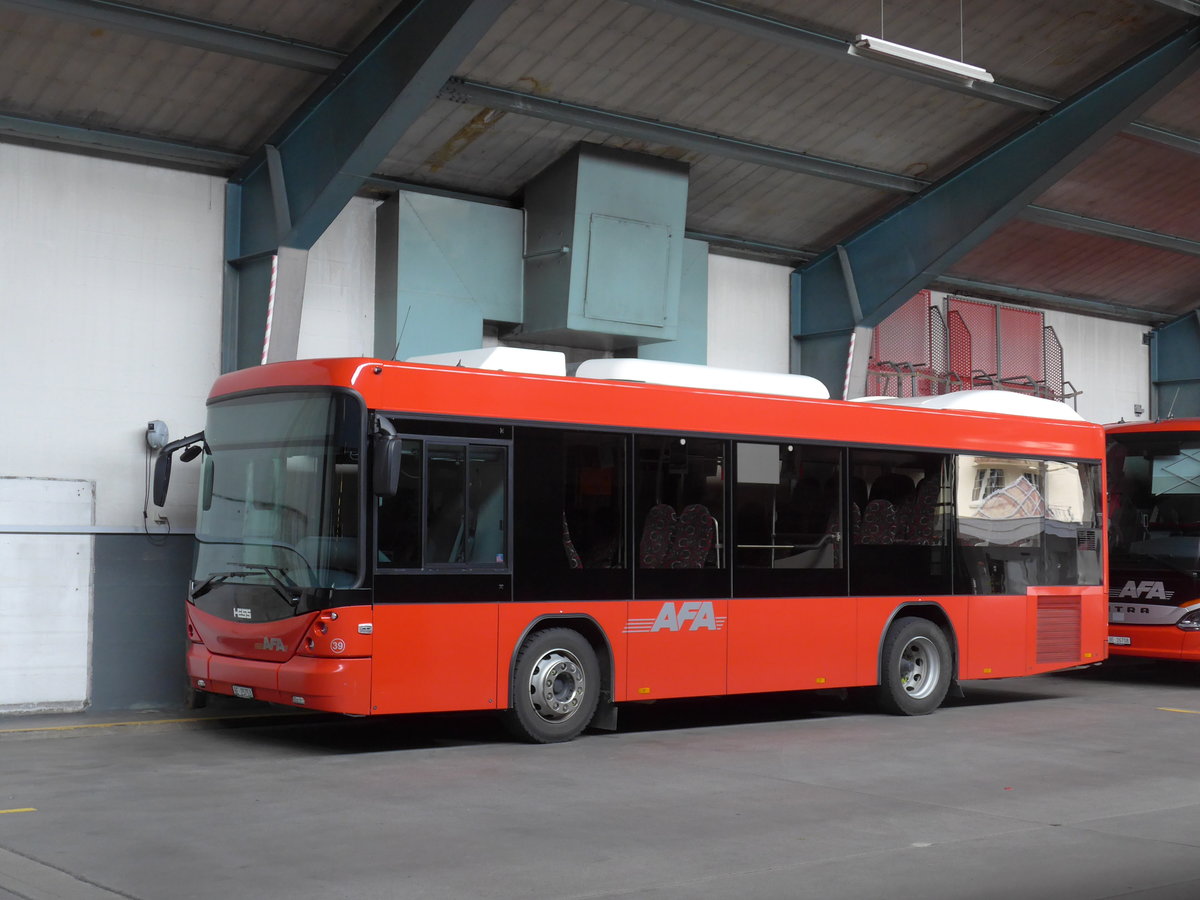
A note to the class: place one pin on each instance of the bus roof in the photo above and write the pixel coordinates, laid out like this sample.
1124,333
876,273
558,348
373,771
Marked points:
1009,403
1185,424
430,391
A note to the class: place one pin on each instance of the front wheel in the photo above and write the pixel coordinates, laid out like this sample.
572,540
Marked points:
556,686
916,668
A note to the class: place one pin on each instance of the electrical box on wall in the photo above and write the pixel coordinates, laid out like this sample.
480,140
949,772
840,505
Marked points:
604,249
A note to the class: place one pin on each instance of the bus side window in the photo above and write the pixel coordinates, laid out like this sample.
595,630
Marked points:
1033,522
680,507
786,509
899,501
593,501
488,507
399,531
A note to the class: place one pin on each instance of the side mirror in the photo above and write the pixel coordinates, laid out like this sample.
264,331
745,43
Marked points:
385,473
162,477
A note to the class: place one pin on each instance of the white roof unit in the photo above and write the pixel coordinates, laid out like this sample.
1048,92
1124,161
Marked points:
1006,402
501,359
653,371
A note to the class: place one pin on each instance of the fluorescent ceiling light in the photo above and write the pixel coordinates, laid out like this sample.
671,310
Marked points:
864,44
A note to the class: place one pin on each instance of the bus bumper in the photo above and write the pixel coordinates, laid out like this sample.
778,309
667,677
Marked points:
329,685
1157,641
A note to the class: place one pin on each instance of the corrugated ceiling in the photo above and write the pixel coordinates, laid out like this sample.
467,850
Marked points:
661,61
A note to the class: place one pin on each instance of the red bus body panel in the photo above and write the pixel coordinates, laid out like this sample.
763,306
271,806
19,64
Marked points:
1156,641
441,656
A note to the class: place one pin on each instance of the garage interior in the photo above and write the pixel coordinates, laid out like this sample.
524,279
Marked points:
752,185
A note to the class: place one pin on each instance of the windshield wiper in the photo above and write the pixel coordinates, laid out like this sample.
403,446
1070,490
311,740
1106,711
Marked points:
211,582
281,583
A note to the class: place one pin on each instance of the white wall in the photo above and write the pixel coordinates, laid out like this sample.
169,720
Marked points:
1108,362
45,595
111,304
339,294
748,315
111,312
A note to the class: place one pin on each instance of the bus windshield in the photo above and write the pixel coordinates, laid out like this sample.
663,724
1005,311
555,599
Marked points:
280,493
1154,498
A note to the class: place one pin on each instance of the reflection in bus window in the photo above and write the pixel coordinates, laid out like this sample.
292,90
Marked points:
1038,524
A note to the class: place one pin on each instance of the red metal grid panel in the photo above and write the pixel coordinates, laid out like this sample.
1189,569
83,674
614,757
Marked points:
980,319
1020,345
939,353
899,362
1052,356
958,374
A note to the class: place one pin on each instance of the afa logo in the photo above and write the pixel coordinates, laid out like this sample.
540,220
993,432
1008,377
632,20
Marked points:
272,643
1145,590
691,615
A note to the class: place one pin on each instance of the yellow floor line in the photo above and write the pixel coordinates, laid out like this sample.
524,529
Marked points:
1191,712
122,724
26,809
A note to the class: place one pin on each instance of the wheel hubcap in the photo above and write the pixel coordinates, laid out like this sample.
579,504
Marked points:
920,668
557,685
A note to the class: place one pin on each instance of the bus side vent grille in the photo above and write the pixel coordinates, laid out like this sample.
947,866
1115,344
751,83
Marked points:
1058,629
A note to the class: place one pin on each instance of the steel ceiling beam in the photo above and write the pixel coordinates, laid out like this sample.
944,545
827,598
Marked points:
1088,225
1175,368
192,32
904,250
1191,7
683,137
953,284
950,284
290,190
639,128
119,144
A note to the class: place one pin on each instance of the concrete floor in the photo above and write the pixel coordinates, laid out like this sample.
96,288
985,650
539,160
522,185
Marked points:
1072,786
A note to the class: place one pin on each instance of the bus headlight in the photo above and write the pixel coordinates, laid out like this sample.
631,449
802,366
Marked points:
1190,622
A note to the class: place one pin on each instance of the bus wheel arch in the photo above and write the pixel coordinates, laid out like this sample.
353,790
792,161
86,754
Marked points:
918,660
560,680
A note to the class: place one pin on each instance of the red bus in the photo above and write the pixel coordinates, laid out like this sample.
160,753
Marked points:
378,538
1154,538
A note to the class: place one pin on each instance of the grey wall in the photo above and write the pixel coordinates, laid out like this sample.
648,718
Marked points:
138,625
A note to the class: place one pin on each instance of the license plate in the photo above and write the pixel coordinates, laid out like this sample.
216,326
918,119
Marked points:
244,692
1120,641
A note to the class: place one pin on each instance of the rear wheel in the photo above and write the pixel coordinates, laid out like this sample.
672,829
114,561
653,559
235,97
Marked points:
556,685
916,668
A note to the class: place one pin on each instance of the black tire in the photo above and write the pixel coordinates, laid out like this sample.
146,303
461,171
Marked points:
916,670
555,688
194,698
